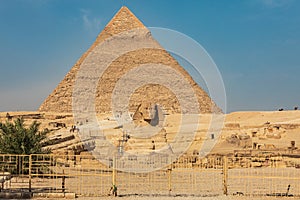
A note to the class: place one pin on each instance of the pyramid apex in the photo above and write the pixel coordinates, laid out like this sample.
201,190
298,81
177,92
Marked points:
125,17
126,10
124,20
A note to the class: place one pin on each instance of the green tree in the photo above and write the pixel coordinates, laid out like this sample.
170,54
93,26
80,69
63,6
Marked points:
15,138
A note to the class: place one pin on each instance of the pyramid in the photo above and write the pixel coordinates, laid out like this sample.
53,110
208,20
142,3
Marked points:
60,100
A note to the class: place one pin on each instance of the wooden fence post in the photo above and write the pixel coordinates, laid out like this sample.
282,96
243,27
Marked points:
29,173
114,188
114,172
170,179
63,181
225,175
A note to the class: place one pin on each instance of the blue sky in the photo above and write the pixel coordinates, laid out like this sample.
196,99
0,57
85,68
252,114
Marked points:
255,44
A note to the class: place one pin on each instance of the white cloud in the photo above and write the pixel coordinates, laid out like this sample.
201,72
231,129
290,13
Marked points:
91,24
276,3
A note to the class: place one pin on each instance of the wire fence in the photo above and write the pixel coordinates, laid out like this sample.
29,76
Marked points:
84,175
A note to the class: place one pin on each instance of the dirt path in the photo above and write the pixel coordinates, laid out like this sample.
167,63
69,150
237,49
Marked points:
181,198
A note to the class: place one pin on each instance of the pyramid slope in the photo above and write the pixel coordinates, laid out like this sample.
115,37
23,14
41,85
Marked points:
60,100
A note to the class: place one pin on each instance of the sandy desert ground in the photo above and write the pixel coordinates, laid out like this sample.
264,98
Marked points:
180,198
272,130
